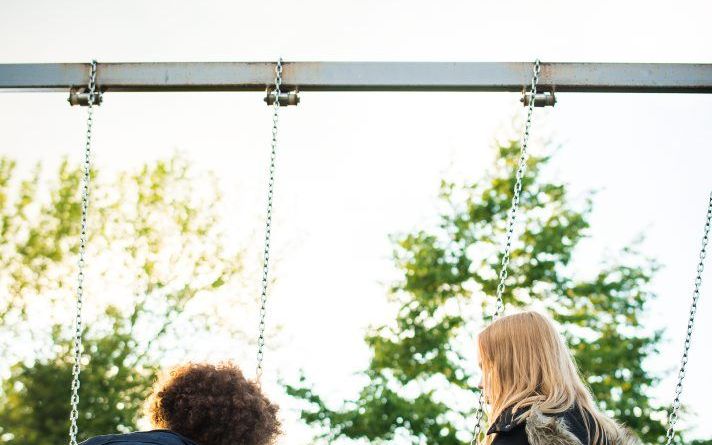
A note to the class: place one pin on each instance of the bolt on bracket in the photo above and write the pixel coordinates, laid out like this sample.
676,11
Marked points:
546,99
80,96
285,98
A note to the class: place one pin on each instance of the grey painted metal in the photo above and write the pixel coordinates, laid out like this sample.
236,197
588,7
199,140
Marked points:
363,76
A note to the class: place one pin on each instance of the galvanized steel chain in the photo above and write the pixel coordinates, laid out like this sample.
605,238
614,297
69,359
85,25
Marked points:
522,165
268,223
672,416
511,220
76,367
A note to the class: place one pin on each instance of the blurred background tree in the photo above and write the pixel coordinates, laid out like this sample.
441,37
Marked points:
421,376
115,384
157,270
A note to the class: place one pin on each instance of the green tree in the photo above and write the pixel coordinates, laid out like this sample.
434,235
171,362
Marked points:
158,271
115,383
422,387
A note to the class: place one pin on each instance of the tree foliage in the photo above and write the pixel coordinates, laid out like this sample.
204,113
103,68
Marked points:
115,383
157,264
422,378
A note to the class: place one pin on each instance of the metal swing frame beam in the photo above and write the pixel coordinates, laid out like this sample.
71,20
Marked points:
361,76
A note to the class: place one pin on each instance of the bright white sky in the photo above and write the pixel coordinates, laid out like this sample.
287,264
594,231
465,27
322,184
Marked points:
356,167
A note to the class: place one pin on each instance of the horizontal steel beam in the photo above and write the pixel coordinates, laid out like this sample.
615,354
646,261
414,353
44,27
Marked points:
363,76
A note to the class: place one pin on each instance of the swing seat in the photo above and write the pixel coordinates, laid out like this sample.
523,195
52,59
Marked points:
155,437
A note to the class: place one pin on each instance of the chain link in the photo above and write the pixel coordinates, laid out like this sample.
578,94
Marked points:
268,223
76,367
673,414
511,219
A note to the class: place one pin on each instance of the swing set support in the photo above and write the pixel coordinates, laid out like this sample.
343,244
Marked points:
361,76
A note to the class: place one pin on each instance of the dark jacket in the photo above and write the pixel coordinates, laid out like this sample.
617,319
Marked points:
565,428
155,437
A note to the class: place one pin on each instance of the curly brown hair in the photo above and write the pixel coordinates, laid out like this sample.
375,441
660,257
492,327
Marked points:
214,405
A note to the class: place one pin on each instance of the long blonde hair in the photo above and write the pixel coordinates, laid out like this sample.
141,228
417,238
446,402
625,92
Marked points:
525,363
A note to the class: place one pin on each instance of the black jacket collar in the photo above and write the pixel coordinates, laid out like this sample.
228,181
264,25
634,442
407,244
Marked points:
506,421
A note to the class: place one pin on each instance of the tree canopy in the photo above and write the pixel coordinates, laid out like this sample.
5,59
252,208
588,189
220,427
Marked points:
158,271
422,375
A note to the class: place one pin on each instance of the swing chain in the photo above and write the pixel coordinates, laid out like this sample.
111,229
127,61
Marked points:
76,367
521,167
268,223
673,415
511,219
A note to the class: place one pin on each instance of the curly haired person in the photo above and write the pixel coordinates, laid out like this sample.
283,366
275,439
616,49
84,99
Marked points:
204,404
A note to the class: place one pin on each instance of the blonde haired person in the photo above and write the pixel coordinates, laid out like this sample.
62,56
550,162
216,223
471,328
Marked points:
534,391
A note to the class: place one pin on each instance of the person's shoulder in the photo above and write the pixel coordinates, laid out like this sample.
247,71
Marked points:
529,426
516,435
509,429
569,428
155,437
559,428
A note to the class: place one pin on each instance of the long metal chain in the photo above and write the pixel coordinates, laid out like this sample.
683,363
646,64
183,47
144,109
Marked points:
268,223
76,367
511,219
673,416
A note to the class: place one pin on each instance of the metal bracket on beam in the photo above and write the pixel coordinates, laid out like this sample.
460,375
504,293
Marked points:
546,99
80,96
285,98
